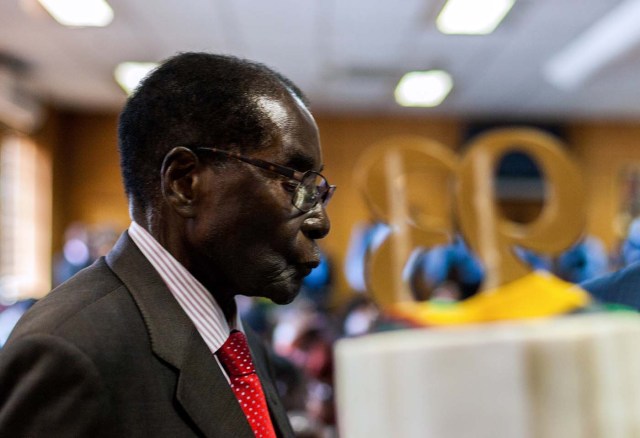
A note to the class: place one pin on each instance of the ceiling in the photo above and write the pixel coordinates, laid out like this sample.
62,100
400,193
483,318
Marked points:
347,55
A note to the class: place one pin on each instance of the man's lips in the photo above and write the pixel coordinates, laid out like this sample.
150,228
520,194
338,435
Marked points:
305,268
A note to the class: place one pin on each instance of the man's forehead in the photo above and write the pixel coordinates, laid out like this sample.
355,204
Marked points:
300,156
299,146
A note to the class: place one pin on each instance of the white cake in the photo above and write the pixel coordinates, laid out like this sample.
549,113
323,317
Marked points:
569,377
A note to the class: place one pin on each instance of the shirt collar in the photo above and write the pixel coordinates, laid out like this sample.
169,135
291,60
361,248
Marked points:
197,302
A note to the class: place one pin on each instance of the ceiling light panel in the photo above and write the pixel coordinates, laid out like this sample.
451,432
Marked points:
423,88
472,17
129,74
79,13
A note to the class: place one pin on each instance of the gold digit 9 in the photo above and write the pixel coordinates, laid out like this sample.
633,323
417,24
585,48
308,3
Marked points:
407,183
494,237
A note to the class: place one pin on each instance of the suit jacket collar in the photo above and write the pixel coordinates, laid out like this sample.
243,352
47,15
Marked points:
202,390
277,411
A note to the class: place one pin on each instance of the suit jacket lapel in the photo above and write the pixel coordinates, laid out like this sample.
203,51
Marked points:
207,396
277,411
202,389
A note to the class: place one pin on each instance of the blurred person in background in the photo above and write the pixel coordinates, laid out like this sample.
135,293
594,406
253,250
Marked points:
82,246
585,260
75,254
448,272
622,286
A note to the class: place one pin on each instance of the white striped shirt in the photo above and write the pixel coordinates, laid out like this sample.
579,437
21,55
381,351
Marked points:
196,301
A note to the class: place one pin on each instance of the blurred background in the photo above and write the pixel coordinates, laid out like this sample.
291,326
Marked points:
570,68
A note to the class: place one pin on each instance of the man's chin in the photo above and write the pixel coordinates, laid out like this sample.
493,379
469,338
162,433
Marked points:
282,292
284,299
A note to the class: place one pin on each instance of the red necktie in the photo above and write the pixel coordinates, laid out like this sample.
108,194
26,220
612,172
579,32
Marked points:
235,357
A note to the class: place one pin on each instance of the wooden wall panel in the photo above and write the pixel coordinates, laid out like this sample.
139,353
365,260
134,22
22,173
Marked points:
604,150
88,172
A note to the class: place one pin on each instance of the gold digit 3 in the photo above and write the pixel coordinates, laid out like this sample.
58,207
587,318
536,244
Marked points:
406,182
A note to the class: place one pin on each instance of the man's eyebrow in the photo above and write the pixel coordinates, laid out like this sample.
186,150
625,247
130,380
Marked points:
300,161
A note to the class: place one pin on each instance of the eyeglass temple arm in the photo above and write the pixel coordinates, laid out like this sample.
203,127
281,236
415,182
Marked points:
272,167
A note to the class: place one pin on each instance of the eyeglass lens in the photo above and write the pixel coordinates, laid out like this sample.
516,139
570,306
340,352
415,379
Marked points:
311,189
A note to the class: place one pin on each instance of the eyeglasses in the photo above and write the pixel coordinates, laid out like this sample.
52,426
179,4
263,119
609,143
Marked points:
312,187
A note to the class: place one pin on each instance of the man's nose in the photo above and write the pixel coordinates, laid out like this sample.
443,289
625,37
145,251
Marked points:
316,225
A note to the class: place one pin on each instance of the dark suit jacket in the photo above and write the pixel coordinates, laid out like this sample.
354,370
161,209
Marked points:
621,287
111,353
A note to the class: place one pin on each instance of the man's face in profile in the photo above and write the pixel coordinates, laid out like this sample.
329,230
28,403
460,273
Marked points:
250,238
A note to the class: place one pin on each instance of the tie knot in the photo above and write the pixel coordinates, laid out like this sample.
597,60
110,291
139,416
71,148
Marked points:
235,356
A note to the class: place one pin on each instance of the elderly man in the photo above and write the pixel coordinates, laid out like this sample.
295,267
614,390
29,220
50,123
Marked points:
221,165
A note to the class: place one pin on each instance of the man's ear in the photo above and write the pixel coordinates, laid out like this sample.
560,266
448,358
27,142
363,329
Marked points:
180,179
